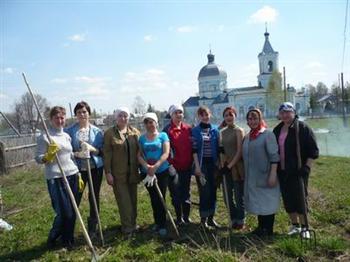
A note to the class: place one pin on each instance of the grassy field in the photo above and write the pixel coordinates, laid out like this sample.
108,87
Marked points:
27,208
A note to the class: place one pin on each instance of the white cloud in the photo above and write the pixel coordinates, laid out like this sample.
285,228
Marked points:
186,29
313,65
221,28
3,96
59,80
9,70
265,14
150,80
91,80
77,38
148,38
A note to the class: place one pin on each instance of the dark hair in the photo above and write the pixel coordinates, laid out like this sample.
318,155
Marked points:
257,111
203,109
57,110
232,110
81,105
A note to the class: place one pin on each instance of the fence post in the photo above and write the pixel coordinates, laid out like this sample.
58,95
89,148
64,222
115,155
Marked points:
3,168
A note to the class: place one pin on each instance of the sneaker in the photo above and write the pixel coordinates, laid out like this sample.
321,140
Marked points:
294,230
305,233
238,226
179,222
212,223
162,232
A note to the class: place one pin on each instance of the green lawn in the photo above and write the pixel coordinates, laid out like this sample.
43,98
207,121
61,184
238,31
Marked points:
27,208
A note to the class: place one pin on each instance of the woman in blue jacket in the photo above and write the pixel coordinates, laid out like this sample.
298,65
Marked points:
87,138
205,139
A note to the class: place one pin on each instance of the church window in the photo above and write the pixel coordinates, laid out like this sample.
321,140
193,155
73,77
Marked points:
270,66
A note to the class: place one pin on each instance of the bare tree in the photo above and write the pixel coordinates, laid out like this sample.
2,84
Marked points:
25,116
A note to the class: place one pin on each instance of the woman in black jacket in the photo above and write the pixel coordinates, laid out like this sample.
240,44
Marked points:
297,148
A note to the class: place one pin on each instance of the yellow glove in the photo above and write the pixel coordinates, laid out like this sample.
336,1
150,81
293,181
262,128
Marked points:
52,149
81,184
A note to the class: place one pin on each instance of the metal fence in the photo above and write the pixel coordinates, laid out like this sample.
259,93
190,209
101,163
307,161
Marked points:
16,151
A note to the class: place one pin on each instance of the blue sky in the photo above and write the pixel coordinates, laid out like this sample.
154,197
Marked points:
107,52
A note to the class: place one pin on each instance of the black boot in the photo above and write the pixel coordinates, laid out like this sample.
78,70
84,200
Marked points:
204,222
92,227
178,211
186,207
211,222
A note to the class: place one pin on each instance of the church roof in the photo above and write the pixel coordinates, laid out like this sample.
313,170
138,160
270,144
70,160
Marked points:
222,98
245,89
267,48
192,101
211,69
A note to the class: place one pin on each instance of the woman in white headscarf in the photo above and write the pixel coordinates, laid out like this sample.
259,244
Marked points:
121,167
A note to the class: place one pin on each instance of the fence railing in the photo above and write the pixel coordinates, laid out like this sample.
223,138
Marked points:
16,151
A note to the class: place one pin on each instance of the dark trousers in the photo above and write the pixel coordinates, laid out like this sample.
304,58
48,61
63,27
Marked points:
207,193
180,194
96,174
236,189
266,223
64,221
291,190
159,213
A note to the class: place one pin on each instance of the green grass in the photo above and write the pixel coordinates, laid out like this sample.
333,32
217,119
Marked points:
27,208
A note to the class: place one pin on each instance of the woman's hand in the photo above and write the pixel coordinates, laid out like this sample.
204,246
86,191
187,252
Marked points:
152,169
272,179
110,179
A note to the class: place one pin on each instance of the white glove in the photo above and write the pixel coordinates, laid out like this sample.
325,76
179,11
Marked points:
149,180
82,154
202,180
4,225
173,173
87,147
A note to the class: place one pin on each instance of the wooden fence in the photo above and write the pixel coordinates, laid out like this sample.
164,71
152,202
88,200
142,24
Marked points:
16,151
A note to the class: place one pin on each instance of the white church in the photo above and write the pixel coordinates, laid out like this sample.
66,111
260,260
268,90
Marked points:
214,93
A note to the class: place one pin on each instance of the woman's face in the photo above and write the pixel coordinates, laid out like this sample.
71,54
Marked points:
253,120
150,125
83,115
287,117
122,119
177,116
58,120
204,117
229,117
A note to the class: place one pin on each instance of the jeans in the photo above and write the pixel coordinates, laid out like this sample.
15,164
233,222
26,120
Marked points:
207,193
64,221
180,194
96,175
236,189
159,213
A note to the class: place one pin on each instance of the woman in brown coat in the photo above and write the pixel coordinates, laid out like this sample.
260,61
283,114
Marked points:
121,167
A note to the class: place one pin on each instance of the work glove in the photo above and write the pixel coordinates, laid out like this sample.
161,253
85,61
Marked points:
202,180
52,149
149,180
81,184
173,173
87,147
304,171
82,154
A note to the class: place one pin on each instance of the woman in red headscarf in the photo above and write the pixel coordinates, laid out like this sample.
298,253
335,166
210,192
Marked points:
261,189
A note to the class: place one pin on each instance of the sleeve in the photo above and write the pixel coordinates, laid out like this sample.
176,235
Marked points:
42,145
272,148
221,146
164,137
107,152
312,150
98,143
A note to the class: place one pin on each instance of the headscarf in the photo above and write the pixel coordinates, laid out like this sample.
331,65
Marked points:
254,133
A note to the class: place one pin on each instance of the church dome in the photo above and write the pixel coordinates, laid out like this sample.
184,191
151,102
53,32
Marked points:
212,69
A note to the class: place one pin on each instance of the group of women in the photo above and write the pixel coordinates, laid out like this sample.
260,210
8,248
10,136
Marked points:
256,167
